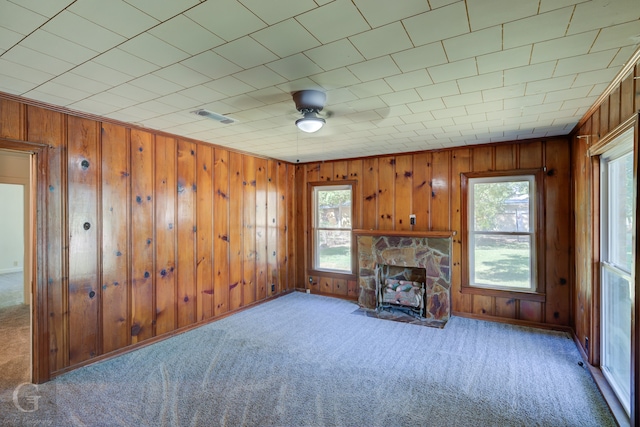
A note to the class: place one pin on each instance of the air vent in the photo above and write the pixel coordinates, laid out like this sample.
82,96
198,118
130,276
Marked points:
214,116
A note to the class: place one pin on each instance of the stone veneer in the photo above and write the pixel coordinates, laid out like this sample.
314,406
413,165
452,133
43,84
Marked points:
430,253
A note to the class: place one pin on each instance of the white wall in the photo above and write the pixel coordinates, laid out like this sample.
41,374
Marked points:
11,228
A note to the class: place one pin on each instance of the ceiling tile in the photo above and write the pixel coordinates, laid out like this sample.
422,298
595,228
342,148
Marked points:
63,91
228,19
286,38
18,19
38,95
259,77
272,13
525,31
548,85
505,59
485,107
374,69
462,99
381,13
481,82
8,38
340,77
487,13
158,107
79,30
82,83
582,63
295,67
46,8
529,73
334,21
381,41
163,10
453,70
101,73
186,35
402,97
422,107
503,92
13,85
595,77
112,99
201,93
125,62
564,47
115,15
245,52
179,100
474,44
334,55
36,60
599,13
438,24
51,44
129,91
229,86
184,76
156,84
619,35
420,57
408,80
93,107
566,94
438,90
211,64
154,50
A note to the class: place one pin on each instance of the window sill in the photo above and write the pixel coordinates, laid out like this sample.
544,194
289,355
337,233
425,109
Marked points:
333,274
504,293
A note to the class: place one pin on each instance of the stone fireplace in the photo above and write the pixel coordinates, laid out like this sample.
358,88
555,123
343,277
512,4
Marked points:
409,257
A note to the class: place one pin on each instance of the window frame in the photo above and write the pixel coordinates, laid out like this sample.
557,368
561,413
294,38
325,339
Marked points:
312,246
537,290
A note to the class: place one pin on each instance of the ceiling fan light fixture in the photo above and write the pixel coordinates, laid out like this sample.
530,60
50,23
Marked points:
310,122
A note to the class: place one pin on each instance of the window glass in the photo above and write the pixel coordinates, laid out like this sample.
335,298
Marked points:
332,228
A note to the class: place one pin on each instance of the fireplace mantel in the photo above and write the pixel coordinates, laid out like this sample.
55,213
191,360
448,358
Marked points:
404,233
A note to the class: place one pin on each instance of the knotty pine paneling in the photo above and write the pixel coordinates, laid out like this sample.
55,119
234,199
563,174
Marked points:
83,165
155,255
428,184
249,237
115,237
235,230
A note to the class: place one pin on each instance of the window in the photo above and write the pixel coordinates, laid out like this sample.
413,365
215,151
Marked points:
501,232
617,265
332,225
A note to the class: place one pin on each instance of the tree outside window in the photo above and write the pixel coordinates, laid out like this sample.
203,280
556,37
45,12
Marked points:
332,225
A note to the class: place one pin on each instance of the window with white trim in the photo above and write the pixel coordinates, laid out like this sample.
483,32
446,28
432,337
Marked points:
501,232
331,228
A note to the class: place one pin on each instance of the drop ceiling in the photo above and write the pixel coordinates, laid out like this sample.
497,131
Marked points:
399,76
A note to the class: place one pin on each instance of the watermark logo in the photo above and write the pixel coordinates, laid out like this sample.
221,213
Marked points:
25,397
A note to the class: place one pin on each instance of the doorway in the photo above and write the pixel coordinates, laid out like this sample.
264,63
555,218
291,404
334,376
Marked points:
15,269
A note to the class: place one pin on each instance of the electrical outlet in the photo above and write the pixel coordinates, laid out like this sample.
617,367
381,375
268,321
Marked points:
308,291
273,287
15,263
412,219
310,279
586,344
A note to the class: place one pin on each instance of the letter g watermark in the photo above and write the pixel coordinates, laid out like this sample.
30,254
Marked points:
29,395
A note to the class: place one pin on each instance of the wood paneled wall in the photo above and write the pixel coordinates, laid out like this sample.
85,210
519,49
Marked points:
619,106
147,234
427,184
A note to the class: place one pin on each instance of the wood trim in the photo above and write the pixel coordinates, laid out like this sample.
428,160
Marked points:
516,322
405,233
40,333
604,144
524,296
635,319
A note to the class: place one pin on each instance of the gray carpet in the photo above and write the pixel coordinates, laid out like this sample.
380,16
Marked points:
305,360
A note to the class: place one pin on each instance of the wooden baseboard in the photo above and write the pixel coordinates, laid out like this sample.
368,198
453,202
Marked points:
515,322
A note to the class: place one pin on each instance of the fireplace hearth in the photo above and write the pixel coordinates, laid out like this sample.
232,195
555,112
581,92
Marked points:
405,271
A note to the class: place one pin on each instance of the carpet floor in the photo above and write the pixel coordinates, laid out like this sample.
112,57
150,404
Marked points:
307,360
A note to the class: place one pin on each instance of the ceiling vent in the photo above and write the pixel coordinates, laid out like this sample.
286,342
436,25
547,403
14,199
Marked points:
215,116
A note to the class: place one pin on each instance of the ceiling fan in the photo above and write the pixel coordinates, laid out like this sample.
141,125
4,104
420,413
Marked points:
309,103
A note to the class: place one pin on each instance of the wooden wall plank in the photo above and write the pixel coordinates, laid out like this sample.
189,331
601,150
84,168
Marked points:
421,194
340,170
187,307
355,173
627,96
12,120
84,228
281,207
530,155
506,308
340,287
261,229
440,188
483,305
530,311
370,193
386,193
557,235
460,163
325,171
249,236
403,192
326,285
48,127
204,232
272,226
604,117
221,232
236,234
142,225
290,228
614,108
506,157
115,237
165,231
483,158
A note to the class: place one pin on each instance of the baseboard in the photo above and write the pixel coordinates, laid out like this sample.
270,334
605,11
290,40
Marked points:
10,270
515,322
618,412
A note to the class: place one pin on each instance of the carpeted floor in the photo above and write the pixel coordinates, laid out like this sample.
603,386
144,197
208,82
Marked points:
11,289
306,360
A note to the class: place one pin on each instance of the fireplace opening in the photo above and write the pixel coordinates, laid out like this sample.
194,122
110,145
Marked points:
401,289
